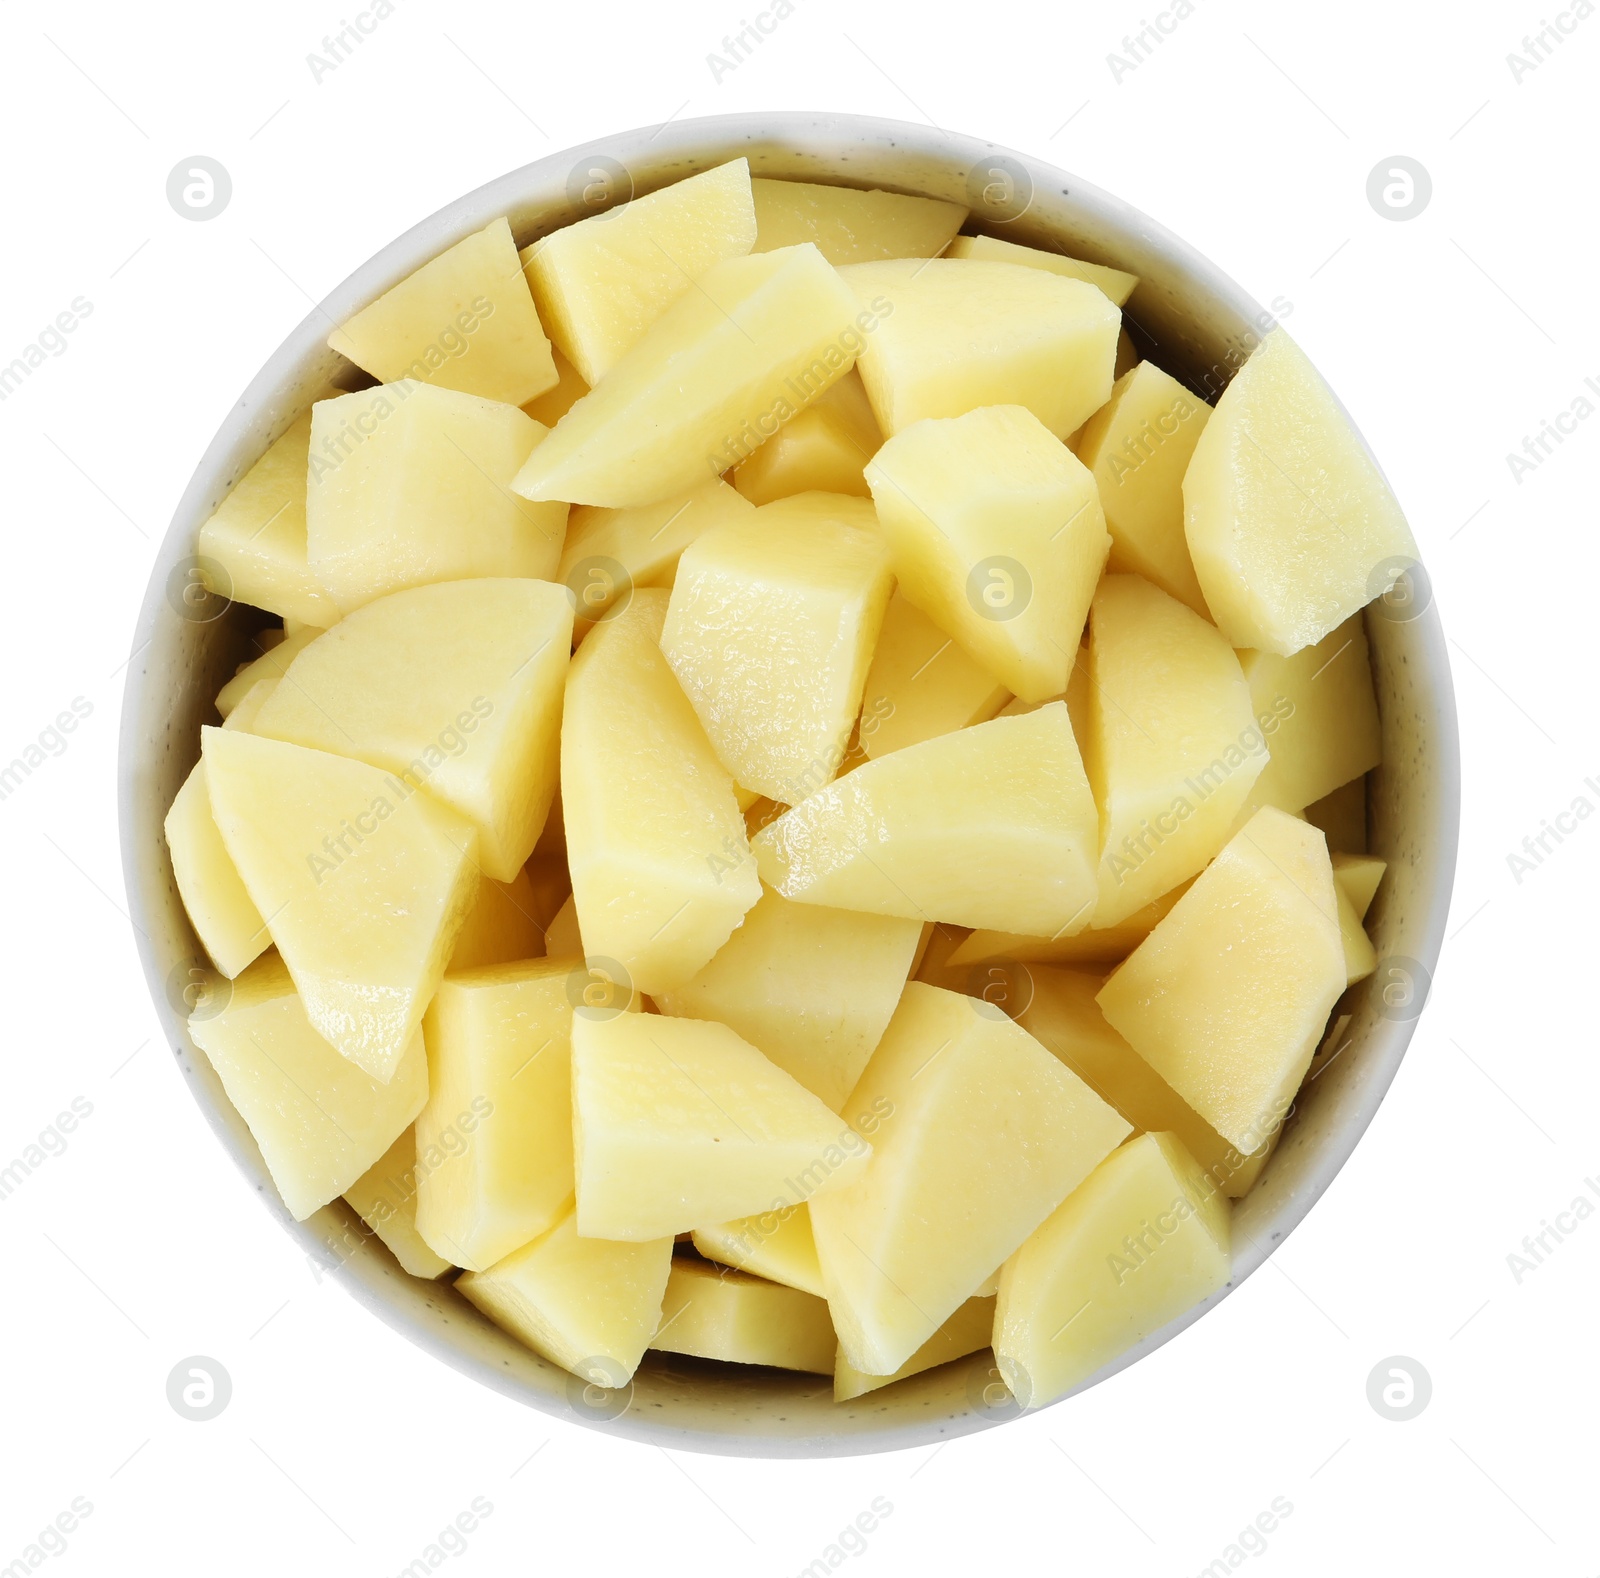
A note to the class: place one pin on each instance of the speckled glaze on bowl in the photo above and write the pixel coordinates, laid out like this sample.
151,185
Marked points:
1200,325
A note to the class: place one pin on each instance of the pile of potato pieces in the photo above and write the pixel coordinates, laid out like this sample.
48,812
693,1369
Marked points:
788,819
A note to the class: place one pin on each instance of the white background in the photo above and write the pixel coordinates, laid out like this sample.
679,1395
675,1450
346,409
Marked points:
1250,132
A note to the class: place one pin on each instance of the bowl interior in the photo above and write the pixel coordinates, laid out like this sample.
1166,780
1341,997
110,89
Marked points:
1184,314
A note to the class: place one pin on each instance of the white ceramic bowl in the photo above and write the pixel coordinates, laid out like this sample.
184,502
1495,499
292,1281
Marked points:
1199,325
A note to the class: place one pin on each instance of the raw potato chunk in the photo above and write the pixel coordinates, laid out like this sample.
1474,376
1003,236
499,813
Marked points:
385,1198
680,1122
1227,997
1360,958
408,484
599,284
802,511
499,1110
850,226
454,688
956,334
722,369
715,1313
1138,446
1172,747
272,664
228,924
1108,945
1290,523
997,536
319,1121
548,409
258,533
1328,731
978,1134
587,1304
967,1331
661,872
1144,1240
609,552
990,826
464,321
813,988
505,923
821,449
244,715
563,940
1063,1016
777,1245
921,683
1114,283
1359,876
363,881
770,632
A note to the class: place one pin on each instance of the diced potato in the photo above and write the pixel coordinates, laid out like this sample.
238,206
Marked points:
777,1245
715,1313
1290,523
925,831
642,543
821,449
967,1331
1172,747
363,881
319,1120
1063,1016
997,536
587,1304
1327,731
1360,958
1359,876
499,1110
1227,997
850,226
978,1134
680,1122
385,1198
562,939
770,631
1342,815
599,284
504,924
1138,446
272,664
813,988
719,372
548,409
258,533
956,334
464,321
1136,1246
802,511
244,715
1107,945
408,485
921,683
228,924
661,869
455,688
1115,283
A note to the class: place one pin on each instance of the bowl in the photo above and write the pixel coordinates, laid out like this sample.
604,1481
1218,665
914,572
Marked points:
1189,316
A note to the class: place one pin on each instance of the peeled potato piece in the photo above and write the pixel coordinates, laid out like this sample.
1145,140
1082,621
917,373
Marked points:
272,664
850,226
504,923
1116,284
1106,946
587,1304
1359,876
820,449
385,1198
319,1120
978,1133
715,1313
464,321
1227,996
1142,1241
967,1331
1290,524
777,1245
229,925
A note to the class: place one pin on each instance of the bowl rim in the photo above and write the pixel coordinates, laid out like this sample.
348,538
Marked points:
261,404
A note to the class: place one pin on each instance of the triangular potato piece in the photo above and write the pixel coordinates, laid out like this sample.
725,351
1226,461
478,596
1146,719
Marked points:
363,881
